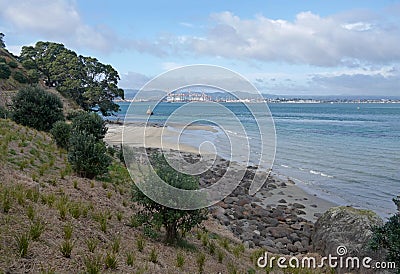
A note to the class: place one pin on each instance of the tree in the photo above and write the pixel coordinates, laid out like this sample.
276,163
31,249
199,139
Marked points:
34,107
176,222
2,44
101,86
87,155
93,85
388,237
90,123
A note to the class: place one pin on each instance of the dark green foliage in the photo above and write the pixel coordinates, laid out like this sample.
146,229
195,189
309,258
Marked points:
91,123
3,113
388,237
87,155
5,71
176,222
2,44
61,132
93,85
34,107
12,64
20,77
3,60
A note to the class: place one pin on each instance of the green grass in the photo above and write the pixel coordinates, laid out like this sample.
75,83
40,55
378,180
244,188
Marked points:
180,260
92,244
111,261
66,248
36,229
130,258
93,264
23,242
153,257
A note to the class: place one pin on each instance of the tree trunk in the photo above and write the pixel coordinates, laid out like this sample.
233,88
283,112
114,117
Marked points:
172,233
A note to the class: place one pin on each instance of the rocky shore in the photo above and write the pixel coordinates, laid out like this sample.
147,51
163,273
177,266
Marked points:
277,227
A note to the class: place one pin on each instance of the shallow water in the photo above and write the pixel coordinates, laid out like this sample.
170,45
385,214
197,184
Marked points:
347,153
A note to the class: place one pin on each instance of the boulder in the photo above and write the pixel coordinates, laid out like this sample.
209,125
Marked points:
344,226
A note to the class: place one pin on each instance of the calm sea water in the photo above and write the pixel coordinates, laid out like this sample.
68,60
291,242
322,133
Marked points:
347,153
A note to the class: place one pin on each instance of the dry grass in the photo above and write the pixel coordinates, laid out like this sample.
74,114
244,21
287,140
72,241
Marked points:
75,225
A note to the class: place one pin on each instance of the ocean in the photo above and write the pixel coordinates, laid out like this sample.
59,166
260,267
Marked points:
346,153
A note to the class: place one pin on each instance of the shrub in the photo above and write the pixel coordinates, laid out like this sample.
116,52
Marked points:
5,71
388,237
87,156
91,123
61,132
12,64
3,113
20,77
34,107
173,220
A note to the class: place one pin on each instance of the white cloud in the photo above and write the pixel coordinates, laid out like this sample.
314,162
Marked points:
309,39
133,80
55,19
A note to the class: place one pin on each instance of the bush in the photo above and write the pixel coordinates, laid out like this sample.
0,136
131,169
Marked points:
3,113
388,237
5,71
91,123
61,132
175,221
20,77
87,156
34,107
12,64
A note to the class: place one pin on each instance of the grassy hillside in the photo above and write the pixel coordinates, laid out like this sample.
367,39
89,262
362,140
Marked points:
48,209
17,75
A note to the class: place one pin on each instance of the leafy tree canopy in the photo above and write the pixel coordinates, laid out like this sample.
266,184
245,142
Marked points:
92,84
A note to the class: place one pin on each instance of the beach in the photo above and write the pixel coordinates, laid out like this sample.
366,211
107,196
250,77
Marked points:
286,192
280,213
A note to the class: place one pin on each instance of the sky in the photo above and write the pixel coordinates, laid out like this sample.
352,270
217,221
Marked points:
302,47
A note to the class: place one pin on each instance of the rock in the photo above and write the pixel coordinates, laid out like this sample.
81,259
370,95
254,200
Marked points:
344,226
297,205
314,205
272,249
280,232
283,201
257,232
292,248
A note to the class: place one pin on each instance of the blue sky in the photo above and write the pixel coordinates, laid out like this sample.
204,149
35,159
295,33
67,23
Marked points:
282,47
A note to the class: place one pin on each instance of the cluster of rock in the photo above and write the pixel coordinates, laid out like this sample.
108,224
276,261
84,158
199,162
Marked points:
276,228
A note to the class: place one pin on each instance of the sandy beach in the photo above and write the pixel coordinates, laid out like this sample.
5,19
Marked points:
283,193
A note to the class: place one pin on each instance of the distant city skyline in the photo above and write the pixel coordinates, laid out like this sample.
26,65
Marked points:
283,47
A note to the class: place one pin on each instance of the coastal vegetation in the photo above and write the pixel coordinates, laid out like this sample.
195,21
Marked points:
90,83
387,237
176,222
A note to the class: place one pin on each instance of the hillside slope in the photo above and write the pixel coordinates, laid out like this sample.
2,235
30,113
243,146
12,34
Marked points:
39,192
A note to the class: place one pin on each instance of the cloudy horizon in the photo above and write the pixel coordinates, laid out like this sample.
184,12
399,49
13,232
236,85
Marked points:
283,48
